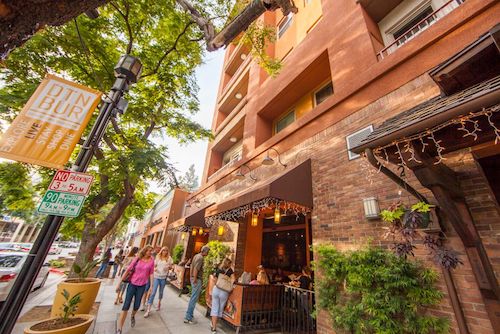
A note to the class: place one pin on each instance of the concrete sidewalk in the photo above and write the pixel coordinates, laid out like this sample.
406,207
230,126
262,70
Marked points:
168,320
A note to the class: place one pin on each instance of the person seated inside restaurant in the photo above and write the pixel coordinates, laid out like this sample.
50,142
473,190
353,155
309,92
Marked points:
262,278
279,277
305,279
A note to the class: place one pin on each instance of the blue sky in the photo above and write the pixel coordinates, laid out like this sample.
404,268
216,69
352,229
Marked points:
182,156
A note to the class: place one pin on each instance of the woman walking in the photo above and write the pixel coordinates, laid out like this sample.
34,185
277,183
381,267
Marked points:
104,263
221,290
139,273
117,262
122,286
163,263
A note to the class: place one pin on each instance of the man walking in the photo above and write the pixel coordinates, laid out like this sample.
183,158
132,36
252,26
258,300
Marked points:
196,274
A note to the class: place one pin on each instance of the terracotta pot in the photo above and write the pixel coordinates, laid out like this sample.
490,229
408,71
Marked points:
77,329
88,288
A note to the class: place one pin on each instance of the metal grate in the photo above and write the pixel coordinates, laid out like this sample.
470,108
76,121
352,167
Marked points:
297,311
355,139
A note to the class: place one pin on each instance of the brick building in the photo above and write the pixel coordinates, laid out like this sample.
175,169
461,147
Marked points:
352,70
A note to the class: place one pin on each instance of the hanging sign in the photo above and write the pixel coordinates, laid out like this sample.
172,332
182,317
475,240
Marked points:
61,204
50,125
71,182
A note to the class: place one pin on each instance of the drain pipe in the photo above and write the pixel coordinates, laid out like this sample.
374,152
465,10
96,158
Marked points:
448,278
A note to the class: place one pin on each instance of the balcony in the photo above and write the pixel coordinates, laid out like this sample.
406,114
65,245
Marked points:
424,22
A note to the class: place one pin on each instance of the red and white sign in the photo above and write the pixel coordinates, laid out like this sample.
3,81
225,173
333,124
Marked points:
71,182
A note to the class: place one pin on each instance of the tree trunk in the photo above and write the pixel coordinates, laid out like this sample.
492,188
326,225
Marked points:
21,19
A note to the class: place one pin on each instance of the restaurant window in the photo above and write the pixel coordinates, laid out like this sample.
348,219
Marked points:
323,93
415,24
285,121
285,23
285,249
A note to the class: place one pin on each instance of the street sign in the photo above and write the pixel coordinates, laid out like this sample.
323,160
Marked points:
61,204
71,182
51,123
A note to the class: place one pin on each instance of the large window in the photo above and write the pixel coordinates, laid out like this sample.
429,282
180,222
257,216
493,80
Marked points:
414,25
285,23
284,121
323,93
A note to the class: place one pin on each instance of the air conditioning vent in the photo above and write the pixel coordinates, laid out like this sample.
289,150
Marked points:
355,139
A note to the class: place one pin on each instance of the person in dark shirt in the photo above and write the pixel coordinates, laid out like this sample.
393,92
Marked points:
279,277
305,279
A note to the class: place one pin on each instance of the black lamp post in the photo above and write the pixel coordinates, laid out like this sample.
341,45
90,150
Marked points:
127,72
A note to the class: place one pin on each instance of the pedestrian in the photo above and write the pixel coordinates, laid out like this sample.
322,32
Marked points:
117,262
122,286
139,273
163,263
104,263
196,277
262,278
220,293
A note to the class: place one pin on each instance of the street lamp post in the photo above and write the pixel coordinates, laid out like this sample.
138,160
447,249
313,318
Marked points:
127,72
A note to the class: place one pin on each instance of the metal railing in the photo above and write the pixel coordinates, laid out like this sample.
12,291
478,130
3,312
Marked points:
261,307
297,309
420,26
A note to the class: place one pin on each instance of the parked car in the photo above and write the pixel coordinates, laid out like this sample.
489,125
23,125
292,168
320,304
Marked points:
15,246
54,249
10,266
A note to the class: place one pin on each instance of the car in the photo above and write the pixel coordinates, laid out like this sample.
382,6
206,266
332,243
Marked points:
54,249
15,246
10,266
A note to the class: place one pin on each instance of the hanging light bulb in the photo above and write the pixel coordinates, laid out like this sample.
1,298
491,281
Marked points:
183,236
220,230
200,232
194,232
255,220
277,215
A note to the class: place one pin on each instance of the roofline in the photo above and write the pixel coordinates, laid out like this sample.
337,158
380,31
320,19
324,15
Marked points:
486,100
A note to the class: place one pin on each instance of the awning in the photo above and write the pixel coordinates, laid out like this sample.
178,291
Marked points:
292,185
195,219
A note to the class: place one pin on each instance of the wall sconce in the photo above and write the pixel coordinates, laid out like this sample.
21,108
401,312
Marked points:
269,161
200,231
220,230
239,174
239,96
277,215
372,210
255,220
193,233
183,236
197,202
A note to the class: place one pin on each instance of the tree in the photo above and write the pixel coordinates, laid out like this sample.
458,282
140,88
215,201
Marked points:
16,192
189,181
20,19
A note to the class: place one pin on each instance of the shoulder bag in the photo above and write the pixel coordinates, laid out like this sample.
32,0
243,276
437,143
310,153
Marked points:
129,273
224,282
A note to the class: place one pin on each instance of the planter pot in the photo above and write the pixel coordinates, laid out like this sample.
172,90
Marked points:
76,329
88,288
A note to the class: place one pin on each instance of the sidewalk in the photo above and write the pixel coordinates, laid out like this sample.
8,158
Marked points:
168,320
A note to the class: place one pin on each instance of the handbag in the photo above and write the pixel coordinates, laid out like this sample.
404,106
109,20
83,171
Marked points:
224,282
129,273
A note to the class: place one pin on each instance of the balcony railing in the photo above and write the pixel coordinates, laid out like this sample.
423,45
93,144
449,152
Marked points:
420,26
223,168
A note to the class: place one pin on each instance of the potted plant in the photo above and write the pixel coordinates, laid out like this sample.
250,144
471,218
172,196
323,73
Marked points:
81,284
68,322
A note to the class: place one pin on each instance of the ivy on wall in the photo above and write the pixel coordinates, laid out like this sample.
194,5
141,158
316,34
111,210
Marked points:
374,291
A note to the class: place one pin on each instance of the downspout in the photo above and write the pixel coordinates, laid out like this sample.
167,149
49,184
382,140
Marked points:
448,278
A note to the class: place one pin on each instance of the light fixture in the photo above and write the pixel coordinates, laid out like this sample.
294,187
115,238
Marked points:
200,231
243,56
233,139
255,220
193,232
183,236
220,230
239,96
188,205
269,161
277,215
239,174
372,210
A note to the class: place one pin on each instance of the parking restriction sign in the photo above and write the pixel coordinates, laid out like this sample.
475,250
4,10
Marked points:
71,182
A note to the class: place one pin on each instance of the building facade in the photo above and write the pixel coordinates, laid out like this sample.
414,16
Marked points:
291,145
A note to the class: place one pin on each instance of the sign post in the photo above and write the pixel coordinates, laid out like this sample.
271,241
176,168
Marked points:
127,71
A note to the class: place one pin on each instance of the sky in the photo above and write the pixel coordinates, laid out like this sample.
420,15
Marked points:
182,156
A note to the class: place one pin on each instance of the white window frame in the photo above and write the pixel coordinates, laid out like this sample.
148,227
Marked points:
351,154
282,118
315,102
283,25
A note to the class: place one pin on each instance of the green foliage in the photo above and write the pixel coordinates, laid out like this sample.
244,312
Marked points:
218,251
189,181
83,269
392,215
57,263
177,253
70,305
16,192
374,291
421,207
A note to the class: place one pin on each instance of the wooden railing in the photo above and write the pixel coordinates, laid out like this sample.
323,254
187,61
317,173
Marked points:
420,26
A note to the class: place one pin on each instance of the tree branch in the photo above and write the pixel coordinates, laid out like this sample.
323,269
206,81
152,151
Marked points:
125,16
149,130
110,144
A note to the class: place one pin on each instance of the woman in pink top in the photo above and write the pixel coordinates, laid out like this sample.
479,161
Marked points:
141,270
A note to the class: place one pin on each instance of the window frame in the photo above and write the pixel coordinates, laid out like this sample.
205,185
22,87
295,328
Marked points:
315,101
282,117
284,25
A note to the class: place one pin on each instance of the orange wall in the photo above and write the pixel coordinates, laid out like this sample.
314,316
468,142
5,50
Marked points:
253,247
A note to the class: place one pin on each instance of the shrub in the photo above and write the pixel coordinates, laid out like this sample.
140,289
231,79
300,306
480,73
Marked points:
177,253
57,263
218,251
374,291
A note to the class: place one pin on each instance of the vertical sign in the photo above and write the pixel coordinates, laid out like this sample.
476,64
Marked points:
50,124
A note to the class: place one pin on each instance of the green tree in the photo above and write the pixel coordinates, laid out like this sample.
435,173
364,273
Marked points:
17,196
189,181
